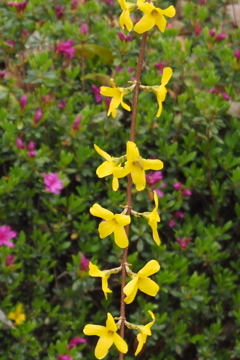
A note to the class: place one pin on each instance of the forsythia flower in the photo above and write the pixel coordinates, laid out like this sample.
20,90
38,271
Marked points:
142,282
153,219
94,271
136,165
117,94
125,19
113,224
17,316
153,16
106,168
161,90
143,333
108,336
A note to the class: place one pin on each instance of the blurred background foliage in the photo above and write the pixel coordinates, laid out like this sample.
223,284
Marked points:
197,136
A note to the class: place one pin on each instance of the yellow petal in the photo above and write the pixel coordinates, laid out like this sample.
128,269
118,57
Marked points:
124,105
148,286
126,21
114,104
121,172
94,270
21,318
123,219
102,153
159,109
97,330
110,92
110,323
141,341
19,309
120,237
155,234
166,76
103,345
105,287
115,183
132,151
161,22
122,4
120,343
152,164
170,11
130,290
150,268
151,314
99,211
138,177
144,24
12,315
106,228
155,197
145,7
105,169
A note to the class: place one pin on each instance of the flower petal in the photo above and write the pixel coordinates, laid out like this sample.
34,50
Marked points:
141,341
120,237
97,330
120,343
105,287
150,268
105,169
115,183
144,24
138,177
130,290
155,234
106,228
103,345
132,151
169,12
94,271
110,92
148,286
123,219
166,76
152,164
160,22
125,20
99,211
110,323
102,153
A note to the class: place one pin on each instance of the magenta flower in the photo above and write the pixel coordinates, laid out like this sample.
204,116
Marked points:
20,143
171,223
220,37
23,101
74,4
186,192
84,29
213,91
38,115
131,69
9,260
124,38
179,214
65,357
75,342
212,32
66,48
183,242
31,148
53,183
159,66
84,263
11,43
118,69
19,6
159,193
197,30
6,234
225,96
153,177
60,12
76,122
96,92
25,32
177,186
2,74
62,104
237,54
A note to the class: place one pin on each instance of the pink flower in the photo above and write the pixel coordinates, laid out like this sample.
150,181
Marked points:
220,37
186,192
6,234
84,263
19,6
197,30
118,69
76,122
131,69
11,43
179,214
2,74
38,115
183,242
66,48
177,186
25,32
20,143
62,104
225,96
213,91
60,12
153,177
159,193
75,341
23,101
84,29
237,54
159,66
31,148
212,32
171,223
124,38
9,260
65,357
96,92
53,183
74,4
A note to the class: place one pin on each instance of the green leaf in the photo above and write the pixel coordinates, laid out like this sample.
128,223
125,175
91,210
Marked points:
90,51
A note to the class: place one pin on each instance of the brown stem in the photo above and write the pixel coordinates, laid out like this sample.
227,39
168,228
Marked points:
129,187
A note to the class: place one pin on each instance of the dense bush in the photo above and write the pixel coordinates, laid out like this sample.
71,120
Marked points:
54,57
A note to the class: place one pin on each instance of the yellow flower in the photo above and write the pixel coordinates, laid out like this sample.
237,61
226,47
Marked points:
108,336
95,272
144,332
113,224
117,94
136,165
125,19
153,219
106,168
142,282
161,90
153,16
17,316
